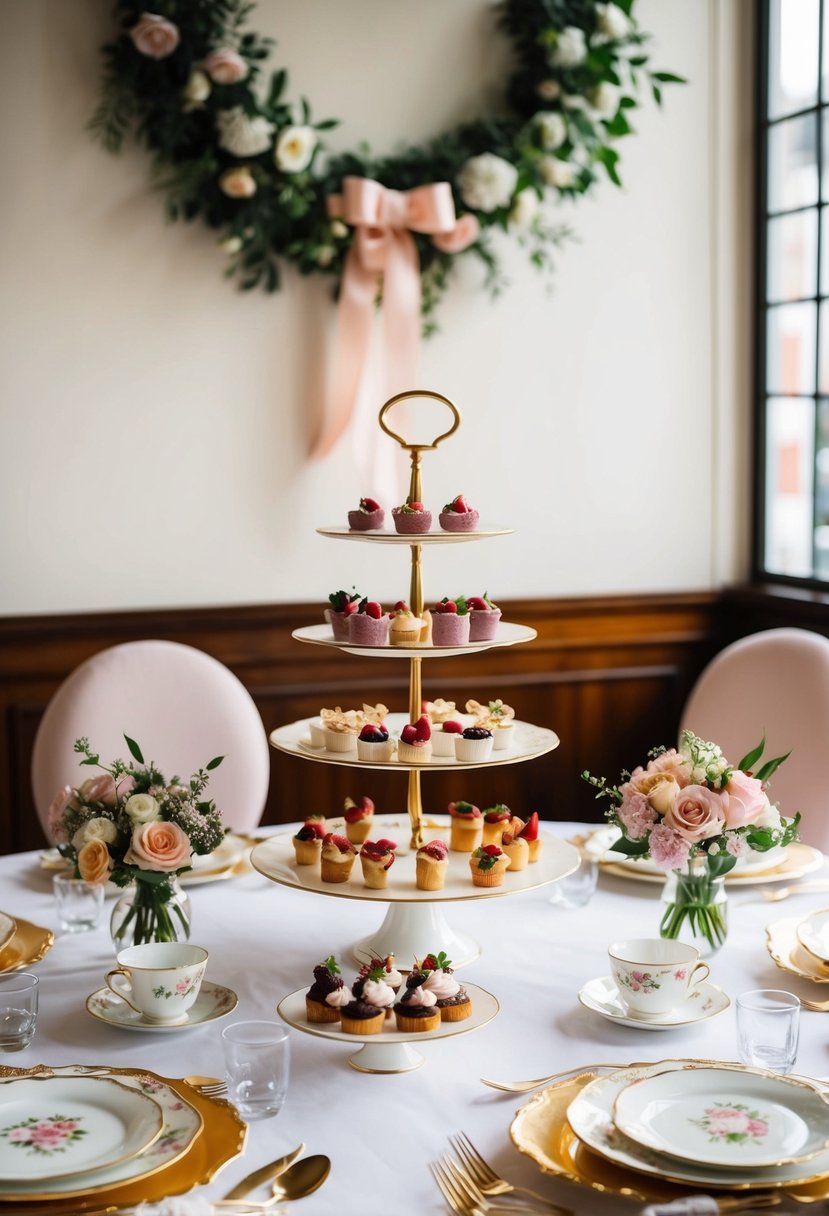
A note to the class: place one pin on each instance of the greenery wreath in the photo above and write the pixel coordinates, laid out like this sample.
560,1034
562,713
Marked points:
253,166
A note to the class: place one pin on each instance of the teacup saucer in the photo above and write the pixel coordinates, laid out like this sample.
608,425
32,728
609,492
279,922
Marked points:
214,1001
602,996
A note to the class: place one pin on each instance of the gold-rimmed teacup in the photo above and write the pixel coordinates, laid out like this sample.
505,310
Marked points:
159,980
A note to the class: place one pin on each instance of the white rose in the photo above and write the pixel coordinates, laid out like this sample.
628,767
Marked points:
604,99
197,89
95,829
142,808
553,129
555,172
769,818
487,182
229,245
525,208
570,48
294,149
611,21
241,135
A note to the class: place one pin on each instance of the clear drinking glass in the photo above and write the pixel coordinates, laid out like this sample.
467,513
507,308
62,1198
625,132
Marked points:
768,1028
257,1066
577,888
18,1010
78,903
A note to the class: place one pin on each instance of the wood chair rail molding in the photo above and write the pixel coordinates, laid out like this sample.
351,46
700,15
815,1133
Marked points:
608,674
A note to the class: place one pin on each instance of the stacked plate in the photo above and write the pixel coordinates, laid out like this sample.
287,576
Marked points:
698,1124
801,947
118,1134
22,943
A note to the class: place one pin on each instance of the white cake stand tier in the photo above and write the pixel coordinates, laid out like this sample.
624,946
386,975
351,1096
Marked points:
414,922
388,1051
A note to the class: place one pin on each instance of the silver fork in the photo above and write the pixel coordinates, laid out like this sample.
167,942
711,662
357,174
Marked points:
488,1181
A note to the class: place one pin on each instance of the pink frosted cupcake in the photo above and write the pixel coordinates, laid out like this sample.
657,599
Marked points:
450,623
483,618
369,515
342,607
458,516
369,625
411,517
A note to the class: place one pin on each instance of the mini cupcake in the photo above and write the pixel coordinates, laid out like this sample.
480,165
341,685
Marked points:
453,999
358,818
417,1010
530,833
496,820
438,710
497,717
308,842
372,987
483,618
444,735
369,515
405,628
488,866
467,826
411,518
415,745
473,745
458,516
369,625
343,605
363,1015
450,623
374,744
340,735
377,858
431,864
327,983
337,858
515,847
316,730
385,969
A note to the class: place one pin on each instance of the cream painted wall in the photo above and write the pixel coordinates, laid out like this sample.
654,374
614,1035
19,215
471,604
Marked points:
153,421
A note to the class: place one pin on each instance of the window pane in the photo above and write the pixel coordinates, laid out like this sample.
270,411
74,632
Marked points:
789,487
793,55
791,271
822,493
823,374
790,349
792,163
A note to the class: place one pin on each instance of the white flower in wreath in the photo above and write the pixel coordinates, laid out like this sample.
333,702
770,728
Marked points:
241,135
294,149
525,208
339,230
555,172
230,245
552,128
237,183
487,182
604,99
611,21
142,808
197,90
570,49
325,255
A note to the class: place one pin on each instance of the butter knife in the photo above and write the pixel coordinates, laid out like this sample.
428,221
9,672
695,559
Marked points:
265,1174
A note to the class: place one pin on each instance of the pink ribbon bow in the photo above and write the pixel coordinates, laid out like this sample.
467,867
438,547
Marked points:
384,251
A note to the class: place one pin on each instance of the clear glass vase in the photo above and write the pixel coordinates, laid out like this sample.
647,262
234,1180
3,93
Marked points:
151,912
696,906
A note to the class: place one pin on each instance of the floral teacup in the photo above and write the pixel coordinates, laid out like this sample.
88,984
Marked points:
160,980
653,975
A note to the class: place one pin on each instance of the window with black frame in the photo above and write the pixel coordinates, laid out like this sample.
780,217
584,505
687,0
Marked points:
793,345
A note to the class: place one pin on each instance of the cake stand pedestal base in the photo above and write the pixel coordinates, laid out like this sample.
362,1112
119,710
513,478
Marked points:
410,931
386,1057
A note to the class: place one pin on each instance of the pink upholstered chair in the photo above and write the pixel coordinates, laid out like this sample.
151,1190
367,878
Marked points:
774,683
182,707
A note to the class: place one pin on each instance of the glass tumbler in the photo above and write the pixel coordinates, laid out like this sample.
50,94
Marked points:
257,1066
768,1028
18,1010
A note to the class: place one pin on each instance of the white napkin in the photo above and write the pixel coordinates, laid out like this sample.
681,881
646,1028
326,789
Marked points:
692,1205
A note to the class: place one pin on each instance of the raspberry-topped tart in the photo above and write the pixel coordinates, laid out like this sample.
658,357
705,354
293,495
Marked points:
530,833
488,865
308,842
467,826
516,848
415,744
450,622
377,858
358,818
444,735
452,998
431,864
342,606
374,744
417,1008
496,819
328,993
369,625
411,518
368,516
484,616
337,858
458,516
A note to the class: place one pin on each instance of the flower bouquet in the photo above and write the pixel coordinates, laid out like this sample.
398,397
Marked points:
129,825
692,812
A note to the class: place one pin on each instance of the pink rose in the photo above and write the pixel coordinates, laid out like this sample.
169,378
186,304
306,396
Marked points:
155,36
698,813
99,789
158,846
465,233
747,800
237,183
226,66
724,1121
671,762
757,1127
54,816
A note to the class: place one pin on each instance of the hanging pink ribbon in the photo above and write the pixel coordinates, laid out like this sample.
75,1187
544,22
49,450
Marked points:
383,253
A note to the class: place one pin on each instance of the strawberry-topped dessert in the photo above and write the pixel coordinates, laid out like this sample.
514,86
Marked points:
415,744
369,515
473,745
467,825
458,516
453,1000
496,820
405,629
450,622
337,858
377,858
417,1008
343,605
484,616
328,993
530,833
431,864
373,997
444,735
385,969
369,625
374,744
488,865
358,818
411,517
308,842
516,848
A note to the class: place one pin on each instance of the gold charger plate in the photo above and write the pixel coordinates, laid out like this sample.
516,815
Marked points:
789,955
28,945
222,1138
541,1132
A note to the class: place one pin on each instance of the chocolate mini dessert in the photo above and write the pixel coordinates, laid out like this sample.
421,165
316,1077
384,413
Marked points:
327,980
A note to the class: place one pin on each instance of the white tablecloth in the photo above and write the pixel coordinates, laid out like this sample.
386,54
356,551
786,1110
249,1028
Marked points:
381,1131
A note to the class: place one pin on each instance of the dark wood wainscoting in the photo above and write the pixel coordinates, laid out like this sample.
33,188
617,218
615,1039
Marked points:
609,675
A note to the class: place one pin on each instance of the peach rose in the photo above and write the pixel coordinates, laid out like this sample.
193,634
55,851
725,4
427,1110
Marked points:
237,183
154,36
660,789
159,846
671,762
226,66
54,816
697,814
94,861
747,800
464,234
